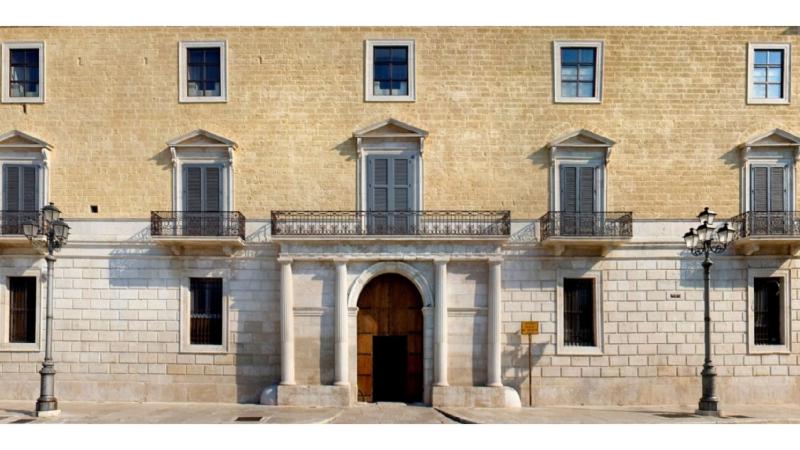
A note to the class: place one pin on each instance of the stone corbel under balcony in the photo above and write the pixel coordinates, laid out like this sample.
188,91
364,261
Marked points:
181,245
596,232
600,246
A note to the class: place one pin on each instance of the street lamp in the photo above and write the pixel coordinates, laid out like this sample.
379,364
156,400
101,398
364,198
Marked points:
55,231
704,241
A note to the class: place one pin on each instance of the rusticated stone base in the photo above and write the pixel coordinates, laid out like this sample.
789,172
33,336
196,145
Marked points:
311,395
475,396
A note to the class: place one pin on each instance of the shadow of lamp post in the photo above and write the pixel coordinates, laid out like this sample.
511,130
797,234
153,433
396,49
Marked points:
702,242
55,233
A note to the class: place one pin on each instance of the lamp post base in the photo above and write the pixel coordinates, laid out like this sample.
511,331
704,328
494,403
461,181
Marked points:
50,413
708,413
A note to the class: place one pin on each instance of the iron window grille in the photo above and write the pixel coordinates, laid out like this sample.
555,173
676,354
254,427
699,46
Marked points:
206,311
767,311
579,312
22,309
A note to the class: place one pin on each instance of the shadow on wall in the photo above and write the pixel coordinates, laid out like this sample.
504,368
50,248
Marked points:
791,31
126,264
347,148
518,360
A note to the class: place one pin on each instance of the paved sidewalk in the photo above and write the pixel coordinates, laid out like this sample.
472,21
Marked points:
382,413
625,415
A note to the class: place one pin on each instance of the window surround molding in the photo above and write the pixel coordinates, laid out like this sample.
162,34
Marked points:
186,309
369,46
5,57
598,70
22,149
390,137
579,148
774,148
202,147
597,277
786,314
5,314
787,72
183,95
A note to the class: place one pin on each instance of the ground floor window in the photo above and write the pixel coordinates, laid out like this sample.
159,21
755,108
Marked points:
767,311
22,310
206,311
579,312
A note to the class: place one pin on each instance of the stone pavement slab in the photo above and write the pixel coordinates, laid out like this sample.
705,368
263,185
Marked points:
789,414
390,413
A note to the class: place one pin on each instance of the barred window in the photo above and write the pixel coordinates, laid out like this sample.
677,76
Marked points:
579,312
767,311
22,309
206,311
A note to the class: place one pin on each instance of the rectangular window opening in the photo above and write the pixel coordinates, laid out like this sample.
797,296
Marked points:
206,311
767,310
22,310
579,323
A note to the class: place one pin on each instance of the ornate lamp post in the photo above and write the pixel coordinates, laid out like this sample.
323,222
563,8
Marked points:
704,241
55,232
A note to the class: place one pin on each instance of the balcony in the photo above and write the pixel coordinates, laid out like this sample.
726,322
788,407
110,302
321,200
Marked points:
179,230
599,230
11,222
392,224
759,229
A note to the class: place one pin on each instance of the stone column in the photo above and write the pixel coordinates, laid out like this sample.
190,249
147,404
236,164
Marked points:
440,324
287,322
340,355
494,323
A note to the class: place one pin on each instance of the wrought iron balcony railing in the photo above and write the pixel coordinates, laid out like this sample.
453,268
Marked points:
415,223
604,224
11,222
767,223
197,224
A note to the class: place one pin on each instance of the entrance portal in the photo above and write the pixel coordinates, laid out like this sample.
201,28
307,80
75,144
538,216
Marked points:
390,341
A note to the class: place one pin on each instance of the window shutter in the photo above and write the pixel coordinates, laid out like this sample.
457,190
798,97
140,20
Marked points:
212,185
586,186
401,184
569,189
776,189
29,188
193,193
11,188
759,189
379,186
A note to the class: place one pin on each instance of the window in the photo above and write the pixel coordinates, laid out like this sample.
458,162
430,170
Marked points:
203,71
389,71
204,304
22,310
20,197
206,313
577,71
768,73
23,69
578,200
768,311
579,313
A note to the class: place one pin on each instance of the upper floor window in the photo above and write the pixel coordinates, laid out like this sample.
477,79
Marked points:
203,71
578,69
23,72
389,70
768,73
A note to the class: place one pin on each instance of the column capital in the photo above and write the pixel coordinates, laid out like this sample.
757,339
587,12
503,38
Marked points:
285,259
495,260
439,260
340,260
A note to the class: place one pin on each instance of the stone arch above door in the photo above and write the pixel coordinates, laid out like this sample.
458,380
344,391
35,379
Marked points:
400,268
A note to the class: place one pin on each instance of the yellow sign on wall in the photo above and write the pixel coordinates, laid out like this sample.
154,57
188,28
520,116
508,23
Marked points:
529,327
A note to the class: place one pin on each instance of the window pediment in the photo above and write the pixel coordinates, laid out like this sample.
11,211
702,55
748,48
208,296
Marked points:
581,143
18,140
774,144
389,133
201,138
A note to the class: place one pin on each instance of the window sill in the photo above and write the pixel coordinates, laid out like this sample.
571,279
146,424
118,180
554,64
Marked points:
23,100
769,350
764,101
187,99
568,350
578,100
35,347
203,349
389,98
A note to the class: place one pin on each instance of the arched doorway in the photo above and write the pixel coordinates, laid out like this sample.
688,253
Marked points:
390,341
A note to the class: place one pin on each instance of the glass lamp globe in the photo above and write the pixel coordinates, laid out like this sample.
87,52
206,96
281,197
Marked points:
51,213
707,216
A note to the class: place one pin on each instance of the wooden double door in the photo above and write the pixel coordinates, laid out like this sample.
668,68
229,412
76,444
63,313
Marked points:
390,341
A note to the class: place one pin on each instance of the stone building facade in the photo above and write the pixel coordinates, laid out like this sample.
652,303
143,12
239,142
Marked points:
369,213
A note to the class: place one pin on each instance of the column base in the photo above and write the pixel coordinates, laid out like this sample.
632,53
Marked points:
476,397
314,395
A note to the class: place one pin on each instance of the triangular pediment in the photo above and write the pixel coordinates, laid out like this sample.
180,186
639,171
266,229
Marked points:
18,139
774,138
390,128
581,138
201,138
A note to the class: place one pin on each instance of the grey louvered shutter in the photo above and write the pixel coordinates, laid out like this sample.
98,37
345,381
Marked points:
586,190
193,189
569,189
11,188
402,184
213,191
29,189
378,193
759,189
777,189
